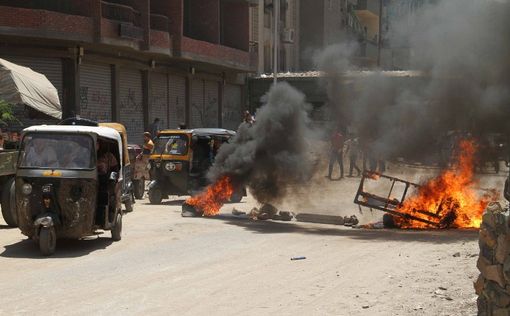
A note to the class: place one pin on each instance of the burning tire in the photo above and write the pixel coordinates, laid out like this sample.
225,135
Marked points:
190,211
389,221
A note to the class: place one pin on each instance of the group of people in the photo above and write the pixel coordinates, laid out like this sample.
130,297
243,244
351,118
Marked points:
340,147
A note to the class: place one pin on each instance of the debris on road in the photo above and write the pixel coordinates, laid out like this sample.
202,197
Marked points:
320,219
297,258
237,212
456,255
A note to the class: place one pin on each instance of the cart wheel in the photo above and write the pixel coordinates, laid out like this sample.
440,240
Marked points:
155,196
117,228
9,204
47,240
139,188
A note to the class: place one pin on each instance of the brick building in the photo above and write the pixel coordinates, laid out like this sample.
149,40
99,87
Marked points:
131,61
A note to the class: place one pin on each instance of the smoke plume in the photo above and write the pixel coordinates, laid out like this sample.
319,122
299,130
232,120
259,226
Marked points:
460,50
271,154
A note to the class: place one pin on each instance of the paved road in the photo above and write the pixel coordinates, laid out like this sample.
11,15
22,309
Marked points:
169,265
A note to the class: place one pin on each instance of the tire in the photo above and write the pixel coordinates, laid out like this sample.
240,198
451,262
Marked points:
129,206
139,188
117,228
155,195
47,240
9,204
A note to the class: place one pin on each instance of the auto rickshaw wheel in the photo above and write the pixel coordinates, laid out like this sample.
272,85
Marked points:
117,228
129,206
47,240
236,197
139,188
9,204
155,195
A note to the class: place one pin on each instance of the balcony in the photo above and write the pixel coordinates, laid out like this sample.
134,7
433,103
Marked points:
120,13
72,7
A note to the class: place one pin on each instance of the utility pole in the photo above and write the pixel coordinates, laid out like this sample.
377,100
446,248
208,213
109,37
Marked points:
276,12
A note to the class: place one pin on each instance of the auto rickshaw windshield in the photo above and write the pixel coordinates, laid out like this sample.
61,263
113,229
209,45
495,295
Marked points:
57,151
171,144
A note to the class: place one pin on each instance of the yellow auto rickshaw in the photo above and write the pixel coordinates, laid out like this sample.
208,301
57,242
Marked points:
180,160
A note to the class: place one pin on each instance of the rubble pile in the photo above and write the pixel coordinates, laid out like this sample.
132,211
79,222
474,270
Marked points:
493,283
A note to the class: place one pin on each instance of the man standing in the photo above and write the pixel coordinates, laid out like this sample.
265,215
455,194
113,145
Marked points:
336,153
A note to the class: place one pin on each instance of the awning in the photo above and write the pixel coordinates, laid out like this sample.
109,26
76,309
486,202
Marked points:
22,85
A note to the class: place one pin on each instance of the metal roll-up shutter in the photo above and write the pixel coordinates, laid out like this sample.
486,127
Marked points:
52,69
211,103
177,100
197,103
96,92
131,103
232,106
159,98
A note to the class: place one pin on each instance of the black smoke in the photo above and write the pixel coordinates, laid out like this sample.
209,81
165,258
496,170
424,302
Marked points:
271,154
460,79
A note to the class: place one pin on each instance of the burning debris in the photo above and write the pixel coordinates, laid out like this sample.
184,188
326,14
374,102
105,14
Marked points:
209,202
446,201
267,156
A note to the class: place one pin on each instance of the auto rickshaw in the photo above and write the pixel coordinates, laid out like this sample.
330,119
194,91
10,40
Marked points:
180,160
69,183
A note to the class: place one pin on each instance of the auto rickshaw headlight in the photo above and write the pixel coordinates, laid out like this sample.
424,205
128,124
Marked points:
26,188
169,166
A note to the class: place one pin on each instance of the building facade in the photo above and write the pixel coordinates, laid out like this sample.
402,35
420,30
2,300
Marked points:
132,61
310,25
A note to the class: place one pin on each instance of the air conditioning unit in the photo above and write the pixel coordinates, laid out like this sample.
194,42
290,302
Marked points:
288,36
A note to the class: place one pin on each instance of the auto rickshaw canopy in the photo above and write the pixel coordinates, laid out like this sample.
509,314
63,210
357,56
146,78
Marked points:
123,134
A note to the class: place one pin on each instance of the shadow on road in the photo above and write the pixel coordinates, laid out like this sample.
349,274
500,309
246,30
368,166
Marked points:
65,248
274,227
7,227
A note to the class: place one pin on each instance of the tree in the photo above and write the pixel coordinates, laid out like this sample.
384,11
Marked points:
6,113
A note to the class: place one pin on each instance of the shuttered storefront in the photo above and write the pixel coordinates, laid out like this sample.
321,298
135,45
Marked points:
131,103
159,99
232,106
204,103
96,92
52,69
197,103
177,100
211,103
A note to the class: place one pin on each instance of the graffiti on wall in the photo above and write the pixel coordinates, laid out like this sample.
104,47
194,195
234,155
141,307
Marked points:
95,103
130,102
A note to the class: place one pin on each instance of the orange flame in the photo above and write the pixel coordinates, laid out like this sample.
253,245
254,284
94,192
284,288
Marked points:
449,199
212,199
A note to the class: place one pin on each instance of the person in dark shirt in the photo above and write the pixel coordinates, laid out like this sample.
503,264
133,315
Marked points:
336,153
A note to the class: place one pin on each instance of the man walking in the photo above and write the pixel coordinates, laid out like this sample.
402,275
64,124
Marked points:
154,127
353,150
336,153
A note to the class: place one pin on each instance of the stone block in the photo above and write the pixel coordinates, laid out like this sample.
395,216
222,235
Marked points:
479,284
496,295
503,248
493,272
488,236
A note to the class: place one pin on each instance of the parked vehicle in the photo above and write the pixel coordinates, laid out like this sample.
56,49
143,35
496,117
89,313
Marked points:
180,161
69,182
8,159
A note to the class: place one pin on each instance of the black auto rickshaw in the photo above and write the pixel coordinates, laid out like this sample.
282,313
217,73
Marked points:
69,183
180,160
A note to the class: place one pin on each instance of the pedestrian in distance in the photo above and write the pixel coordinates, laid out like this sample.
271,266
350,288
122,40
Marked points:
353,150
336,153
154,128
